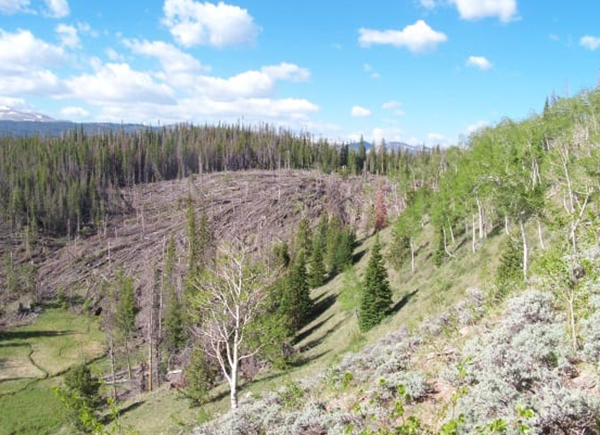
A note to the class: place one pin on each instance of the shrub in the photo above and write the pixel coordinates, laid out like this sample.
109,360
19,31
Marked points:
527,352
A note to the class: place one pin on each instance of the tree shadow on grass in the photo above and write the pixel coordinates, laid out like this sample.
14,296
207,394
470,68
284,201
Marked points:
402,302
310,330
357,257
26,335
126,409
314,343
321,305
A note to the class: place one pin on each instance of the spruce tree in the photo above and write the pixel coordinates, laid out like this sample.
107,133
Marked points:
296,303
376,300
316,277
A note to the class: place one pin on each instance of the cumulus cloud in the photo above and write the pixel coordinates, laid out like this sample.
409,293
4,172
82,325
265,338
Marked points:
12,102
68,36
193,23
40,82
590,42
287,71
74,112
416,37
10,7
57,8
479,62
117,82
360,112
171,58
23,52
504,10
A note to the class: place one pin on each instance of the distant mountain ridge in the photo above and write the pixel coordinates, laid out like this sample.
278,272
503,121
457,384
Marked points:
15,115
20,123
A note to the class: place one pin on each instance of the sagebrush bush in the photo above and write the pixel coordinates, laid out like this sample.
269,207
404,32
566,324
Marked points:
523,362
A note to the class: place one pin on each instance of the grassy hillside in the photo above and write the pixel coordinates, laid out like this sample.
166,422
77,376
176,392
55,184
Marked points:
494,331
492,255
31,358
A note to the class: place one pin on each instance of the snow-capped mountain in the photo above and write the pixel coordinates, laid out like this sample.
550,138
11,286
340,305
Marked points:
11,114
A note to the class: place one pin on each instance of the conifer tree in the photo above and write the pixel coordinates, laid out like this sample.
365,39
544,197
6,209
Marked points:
173,320
376,300
316,277
303,238
296,303
281,255
126,311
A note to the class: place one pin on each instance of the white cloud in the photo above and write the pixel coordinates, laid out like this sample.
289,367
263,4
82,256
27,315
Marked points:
416,37
392,134
171,58
113,54
57,8
117,82
68,36
287,71
360,112
428,4
10,7
12,102
393,106
23,52
24,62
193,23
505,10
74,112
590,42
479,62
248,84
40,82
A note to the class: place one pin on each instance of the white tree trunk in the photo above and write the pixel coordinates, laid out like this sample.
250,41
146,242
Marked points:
540,235
480,213
525,248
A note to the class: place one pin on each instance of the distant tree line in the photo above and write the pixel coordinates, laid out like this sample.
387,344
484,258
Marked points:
67,185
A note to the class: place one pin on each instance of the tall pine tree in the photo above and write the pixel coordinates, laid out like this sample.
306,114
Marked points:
316,276
296,303
376,300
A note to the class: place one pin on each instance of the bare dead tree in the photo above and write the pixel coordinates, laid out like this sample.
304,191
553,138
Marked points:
228,300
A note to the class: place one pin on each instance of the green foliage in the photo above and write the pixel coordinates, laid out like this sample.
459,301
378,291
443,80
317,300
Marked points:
281,255
81,399
174,322
339,247
350,294
296,303
174,336
292,395
376,298
303,240
126,309
199,377
317,271
509,273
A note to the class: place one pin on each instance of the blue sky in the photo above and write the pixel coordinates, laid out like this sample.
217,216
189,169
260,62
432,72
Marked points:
418,71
